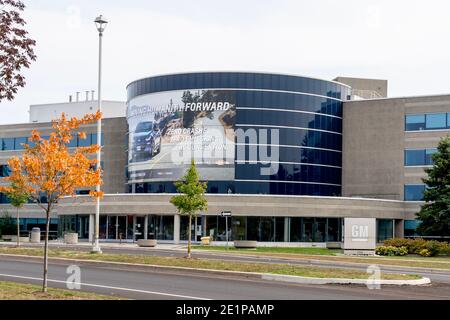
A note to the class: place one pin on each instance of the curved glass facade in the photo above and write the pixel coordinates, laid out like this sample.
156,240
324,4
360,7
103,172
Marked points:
298,118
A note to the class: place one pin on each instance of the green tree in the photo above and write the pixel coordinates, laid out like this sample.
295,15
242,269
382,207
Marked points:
18,199
191,199
435,213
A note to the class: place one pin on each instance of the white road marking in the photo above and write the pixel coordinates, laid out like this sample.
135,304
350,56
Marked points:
107,287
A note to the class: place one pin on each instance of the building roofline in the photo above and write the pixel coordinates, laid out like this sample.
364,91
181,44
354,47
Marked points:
74,102
250,195
359,78
402,97
234,71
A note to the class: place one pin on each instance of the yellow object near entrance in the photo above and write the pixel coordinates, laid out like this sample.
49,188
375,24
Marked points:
205,240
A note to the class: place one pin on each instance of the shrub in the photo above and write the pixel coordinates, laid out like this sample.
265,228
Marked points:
433,247
425,253
391,251
415,246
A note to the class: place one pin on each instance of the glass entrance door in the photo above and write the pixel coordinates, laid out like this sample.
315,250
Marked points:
196,228
139,228
122,227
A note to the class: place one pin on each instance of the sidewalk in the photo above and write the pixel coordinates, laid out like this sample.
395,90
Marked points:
106,245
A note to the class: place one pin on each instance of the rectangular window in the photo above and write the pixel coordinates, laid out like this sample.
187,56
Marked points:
419,157
5,171
414,192
436,121
410,227
94,138
7,144
414,122
429,121
385,229
414,157
19,142
428,156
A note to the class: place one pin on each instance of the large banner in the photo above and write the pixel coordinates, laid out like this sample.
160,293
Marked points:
169,129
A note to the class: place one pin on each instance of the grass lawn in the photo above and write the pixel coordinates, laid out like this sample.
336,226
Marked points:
312,251
286,269
438,262
18,291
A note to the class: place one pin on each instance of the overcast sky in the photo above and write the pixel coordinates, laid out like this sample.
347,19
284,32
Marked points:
406,42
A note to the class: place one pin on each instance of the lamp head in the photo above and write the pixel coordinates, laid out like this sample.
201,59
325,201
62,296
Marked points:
100,23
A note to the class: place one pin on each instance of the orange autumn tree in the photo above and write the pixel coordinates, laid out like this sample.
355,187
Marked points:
48,170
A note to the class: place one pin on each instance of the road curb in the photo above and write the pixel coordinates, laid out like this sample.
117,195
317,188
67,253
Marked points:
318,281
239,274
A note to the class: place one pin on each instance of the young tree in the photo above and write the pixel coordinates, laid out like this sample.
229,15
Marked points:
18,198
16,49
48,170
435,213
191,199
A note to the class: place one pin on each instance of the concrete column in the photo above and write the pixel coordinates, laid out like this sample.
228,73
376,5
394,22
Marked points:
286,229
134,228
176,229
399,230
146,227
91,227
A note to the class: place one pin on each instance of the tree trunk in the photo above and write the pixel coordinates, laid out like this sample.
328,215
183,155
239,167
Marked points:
47,227
18,228
189,237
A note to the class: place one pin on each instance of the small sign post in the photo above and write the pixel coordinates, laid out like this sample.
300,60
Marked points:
226,214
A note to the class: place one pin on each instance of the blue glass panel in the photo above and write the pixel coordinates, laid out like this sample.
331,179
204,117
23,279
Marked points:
7,144
436,121
414,122
414,192
19,142
414,157
94,139
428,156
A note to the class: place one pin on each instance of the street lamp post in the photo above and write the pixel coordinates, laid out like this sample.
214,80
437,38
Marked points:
100,23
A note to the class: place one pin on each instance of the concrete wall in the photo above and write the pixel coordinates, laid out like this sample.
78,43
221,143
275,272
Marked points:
374,140
49,112
113,155
366,85
244,205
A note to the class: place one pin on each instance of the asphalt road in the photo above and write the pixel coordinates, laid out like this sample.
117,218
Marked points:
167,285
435,276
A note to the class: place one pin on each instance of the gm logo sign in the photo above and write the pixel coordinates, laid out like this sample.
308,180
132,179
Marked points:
360,233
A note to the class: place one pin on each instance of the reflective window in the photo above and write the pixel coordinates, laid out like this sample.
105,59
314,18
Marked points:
304,137
385,229
236,80
72,143
19,142
244,187
414,192
5,171
7,144
84,142
429,156
410,227
160,227
290,172
419,157
436,121
94,139
289,119
429,121
415,122
414,157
